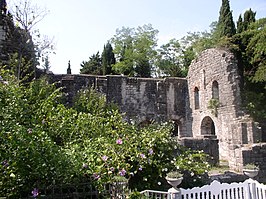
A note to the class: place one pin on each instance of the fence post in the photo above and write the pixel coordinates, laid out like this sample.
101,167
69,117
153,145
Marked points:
174,193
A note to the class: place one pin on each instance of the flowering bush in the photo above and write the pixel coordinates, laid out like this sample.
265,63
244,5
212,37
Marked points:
43,142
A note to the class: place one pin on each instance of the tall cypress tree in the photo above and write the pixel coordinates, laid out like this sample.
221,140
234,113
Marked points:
226,26
239,23
242,24
108,59
249,17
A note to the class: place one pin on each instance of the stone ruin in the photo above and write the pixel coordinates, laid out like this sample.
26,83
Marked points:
222,130
205,107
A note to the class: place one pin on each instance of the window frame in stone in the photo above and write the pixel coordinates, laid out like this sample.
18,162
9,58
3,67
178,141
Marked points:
196,98
215,90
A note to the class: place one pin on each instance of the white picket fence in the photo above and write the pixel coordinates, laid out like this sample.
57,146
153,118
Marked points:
250,189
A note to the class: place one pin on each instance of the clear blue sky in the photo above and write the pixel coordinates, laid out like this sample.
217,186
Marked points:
82,27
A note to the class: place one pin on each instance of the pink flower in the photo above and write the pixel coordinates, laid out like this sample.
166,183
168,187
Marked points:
142,155
119,141
96,176
150,151
104,158
35,192
84,165
122,172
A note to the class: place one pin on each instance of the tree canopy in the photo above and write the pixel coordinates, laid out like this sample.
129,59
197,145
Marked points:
135,50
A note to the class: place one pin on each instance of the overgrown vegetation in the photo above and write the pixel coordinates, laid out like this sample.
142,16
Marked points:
44,142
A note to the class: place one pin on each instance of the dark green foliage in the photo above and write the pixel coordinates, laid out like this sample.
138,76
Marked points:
143,68
251,52
249,17
225,26
108,59
89,101
188,56
240,25
18,42
29,154
93,66
46,65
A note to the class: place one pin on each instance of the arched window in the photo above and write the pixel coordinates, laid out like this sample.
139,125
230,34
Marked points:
196,97
215,90
207,126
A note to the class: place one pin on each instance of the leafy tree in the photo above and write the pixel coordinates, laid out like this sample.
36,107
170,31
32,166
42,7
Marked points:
26,15
135,50
46,65
187,57
108,59
21,37
169,61
225,26
18,43
93,66
251,52
123,49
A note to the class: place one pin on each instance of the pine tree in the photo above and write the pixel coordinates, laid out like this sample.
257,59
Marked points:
226,26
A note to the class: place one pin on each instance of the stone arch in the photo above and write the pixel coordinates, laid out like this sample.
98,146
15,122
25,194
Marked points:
207,126
196,98
215,90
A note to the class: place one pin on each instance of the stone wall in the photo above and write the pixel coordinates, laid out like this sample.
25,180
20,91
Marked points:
231,126
209,146
250,153
141,99
223,131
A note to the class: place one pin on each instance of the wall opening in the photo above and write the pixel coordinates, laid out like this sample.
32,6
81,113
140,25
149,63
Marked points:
207,126
204,79
215,90
144,123
176,129
196,97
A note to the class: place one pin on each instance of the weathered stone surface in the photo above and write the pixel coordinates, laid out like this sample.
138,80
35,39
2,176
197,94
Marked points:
223,130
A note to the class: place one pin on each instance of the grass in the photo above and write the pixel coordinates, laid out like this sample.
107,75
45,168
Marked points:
219,169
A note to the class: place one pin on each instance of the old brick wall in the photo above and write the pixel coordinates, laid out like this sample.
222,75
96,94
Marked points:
231,125
252,153
141,99
219,66
147,99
